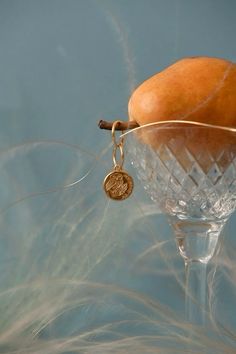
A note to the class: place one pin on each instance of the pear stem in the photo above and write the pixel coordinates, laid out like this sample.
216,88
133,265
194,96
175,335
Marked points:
122,125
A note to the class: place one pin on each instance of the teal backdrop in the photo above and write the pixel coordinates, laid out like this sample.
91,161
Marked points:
79,274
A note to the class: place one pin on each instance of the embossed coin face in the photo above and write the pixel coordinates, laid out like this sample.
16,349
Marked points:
118,185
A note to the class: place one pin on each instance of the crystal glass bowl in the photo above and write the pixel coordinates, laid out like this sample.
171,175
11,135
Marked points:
189,171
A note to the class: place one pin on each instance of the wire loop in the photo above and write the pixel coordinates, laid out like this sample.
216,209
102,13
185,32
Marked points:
118,146
113,134
118,163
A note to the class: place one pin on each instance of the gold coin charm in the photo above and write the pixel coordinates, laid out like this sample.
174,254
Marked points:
118,184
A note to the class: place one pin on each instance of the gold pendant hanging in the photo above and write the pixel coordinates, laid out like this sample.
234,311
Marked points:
118,184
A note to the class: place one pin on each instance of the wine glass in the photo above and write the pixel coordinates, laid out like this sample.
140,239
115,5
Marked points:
189,170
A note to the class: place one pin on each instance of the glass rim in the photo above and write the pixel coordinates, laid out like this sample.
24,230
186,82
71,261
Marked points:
193,123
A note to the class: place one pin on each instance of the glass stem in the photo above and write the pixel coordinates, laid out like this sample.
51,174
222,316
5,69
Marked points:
196,292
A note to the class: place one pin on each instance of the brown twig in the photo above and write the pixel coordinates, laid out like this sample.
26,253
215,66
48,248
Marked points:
103,124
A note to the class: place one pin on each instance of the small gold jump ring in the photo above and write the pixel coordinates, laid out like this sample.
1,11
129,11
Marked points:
120,163
113,134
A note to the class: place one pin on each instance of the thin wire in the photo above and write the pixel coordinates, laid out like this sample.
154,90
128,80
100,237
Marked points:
32,195
164,122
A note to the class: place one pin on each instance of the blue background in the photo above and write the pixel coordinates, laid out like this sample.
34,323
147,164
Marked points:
63,66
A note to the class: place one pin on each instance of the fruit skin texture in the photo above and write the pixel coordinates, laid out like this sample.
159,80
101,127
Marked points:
200,89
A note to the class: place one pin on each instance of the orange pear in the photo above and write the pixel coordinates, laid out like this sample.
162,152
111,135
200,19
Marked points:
199,89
